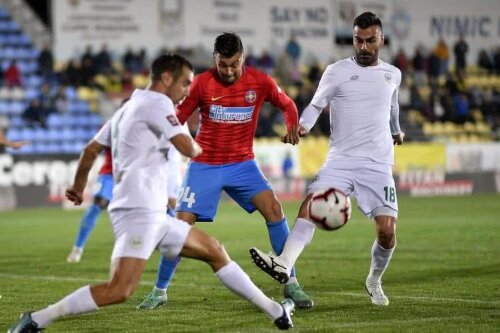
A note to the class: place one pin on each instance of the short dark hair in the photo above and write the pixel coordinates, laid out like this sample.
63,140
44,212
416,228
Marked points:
228,44
366,20
173,63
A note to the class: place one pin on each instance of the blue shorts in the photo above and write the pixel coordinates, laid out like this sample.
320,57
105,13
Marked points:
203,184
106,189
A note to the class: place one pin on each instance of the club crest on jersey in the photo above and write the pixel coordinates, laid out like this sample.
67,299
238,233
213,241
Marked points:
172,120
250,96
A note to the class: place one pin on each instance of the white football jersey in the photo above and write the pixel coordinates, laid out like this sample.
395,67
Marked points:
138,135
364,110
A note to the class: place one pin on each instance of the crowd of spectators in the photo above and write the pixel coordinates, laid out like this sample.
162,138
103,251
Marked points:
429,85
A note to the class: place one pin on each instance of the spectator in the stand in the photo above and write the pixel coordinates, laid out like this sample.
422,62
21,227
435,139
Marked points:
401,61
102,61
496,61
460,50
419,66
35,114
71,75
130,61
12,75
250,58
293,49
484,61
462,109
87,57
436,107
443,53
46,63
433,69
87,72
266,62
61,104
314,74
46,99
142,61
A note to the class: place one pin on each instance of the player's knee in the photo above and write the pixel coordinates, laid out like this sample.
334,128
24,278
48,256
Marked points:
119,293
216,252
101,202
275,212
387,238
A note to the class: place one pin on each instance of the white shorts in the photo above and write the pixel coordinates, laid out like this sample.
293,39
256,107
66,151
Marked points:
139,233
372,184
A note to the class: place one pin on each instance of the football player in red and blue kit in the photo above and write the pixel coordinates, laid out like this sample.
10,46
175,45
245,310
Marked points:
229,98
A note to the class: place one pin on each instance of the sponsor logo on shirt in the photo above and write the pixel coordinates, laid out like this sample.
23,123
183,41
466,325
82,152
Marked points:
231,114
250,96
216,98
388,77
354,77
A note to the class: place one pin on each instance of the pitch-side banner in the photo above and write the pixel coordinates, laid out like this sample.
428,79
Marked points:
117,23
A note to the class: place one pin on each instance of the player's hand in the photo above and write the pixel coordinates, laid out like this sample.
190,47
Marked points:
292,136
398,139
74,196
18,144
302,131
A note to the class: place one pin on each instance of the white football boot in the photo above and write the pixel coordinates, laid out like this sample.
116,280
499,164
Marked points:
376,293
75,255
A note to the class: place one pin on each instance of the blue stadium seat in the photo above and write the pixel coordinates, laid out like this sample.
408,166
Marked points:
14,134
56,121
4,107
17,107
16,121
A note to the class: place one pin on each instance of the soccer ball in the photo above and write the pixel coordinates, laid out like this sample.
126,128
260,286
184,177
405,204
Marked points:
329,209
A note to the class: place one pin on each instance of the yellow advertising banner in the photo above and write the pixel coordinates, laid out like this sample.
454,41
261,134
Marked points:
419,156
409,156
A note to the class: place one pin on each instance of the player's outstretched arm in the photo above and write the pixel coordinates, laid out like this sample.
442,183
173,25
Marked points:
186,145
87,158
11,144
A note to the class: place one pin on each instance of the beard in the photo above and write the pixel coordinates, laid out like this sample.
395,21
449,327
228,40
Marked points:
366,59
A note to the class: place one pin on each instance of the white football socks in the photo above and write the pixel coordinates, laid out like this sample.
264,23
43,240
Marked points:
380,260
79,301
235,279
301,234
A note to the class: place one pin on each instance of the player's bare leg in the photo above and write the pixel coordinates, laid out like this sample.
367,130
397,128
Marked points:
200,246
270,208
126,275
382,250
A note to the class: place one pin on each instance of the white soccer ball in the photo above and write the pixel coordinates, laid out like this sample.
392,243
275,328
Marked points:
329,209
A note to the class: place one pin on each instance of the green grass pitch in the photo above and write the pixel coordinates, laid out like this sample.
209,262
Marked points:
444,276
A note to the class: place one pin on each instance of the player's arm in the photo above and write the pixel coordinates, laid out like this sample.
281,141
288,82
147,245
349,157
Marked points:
308,118
321,100
186,145
397,135
11,144
87,158
282,101
93,148
169,126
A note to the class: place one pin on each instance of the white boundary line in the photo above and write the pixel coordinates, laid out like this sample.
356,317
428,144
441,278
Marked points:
215,285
